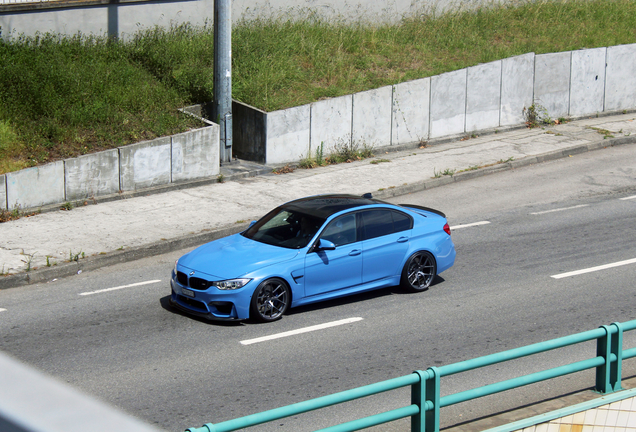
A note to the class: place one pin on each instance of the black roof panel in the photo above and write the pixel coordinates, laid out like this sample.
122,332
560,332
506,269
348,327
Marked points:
323,206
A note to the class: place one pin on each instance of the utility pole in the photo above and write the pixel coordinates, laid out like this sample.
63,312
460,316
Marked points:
222,106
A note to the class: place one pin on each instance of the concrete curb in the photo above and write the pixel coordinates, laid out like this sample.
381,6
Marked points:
192,240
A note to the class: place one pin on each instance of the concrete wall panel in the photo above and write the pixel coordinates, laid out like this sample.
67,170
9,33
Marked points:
3,192
620,88
552,83
331,123
411,114
37,186
448,103
196,154
483,96
517,81
587,86
288,134
92,175
372,117
145,164
122,19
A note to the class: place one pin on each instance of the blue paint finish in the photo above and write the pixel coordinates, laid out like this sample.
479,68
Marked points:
322,247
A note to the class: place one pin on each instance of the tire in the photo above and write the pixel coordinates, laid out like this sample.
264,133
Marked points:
270,300
418,272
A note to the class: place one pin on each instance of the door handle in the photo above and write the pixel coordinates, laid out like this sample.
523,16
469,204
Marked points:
402,239
355,252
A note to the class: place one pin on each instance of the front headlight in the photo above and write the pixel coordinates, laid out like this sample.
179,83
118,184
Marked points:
231,284
175,267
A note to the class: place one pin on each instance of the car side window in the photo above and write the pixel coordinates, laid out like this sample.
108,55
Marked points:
401,222
377,223
341,231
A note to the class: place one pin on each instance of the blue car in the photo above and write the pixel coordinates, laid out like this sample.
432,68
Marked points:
309,250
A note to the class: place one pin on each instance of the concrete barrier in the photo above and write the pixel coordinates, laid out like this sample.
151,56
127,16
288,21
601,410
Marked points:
371,117
620,87
194,155
483,96
448,104
552,83
587,83
411,114
92,175
36,187
331,123
288,135
517,88
187,156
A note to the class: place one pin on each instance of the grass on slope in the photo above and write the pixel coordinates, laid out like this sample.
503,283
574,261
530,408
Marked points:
65,96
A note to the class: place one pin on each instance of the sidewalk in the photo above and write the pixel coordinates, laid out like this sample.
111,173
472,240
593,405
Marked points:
147,223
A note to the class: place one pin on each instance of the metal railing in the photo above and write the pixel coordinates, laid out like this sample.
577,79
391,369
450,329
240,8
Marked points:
426,400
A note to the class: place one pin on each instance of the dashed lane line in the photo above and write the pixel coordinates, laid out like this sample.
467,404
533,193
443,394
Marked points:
300,331
120,287
469,225
593,269
560,209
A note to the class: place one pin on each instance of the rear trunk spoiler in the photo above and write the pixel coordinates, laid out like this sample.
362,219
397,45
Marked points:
428,209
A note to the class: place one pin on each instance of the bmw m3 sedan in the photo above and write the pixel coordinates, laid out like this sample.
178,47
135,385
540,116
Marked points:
309,250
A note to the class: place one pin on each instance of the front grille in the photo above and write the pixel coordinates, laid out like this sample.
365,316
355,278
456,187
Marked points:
182,278
193,303
199,284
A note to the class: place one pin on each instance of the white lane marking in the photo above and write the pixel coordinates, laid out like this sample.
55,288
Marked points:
469,225
628,198
300,331
2,310
120,287
593,269
560,209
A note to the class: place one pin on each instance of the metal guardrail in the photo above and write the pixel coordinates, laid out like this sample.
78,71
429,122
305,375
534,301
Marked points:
426,400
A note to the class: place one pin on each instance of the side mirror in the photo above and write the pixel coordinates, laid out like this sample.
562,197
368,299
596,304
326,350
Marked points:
325,245
252,224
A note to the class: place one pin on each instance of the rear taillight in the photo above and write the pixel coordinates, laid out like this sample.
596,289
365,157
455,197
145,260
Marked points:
447,229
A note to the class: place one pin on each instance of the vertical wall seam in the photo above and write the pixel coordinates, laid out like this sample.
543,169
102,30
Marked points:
605,78
392,108
430,103
466,101
65,181
171,149
570,84
352,108
500,91
311,117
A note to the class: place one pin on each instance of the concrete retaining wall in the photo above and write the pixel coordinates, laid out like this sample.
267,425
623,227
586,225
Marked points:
187,156
126,17
458,103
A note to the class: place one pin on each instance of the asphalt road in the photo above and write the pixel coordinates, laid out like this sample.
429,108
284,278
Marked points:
128,348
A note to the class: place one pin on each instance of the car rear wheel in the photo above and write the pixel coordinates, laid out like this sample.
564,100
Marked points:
270,300
418,272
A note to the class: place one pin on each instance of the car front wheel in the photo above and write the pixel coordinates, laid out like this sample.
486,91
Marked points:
270,300
418,272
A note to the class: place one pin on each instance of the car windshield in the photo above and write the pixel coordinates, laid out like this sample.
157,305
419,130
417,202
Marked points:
285,227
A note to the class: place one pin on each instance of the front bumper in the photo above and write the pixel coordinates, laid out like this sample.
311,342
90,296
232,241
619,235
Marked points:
212,304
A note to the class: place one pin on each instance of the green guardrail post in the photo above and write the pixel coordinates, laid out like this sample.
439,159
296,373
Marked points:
610,347
432,395
617,349
418,397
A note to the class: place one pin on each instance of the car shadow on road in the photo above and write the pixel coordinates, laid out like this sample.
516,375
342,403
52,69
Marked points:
356,298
